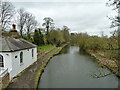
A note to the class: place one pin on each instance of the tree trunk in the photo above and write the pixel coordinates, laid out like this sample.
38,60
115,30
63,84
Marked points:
21,33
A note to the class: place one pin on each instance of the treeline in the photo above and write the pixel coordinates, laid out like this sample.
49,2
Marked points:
105,50
107,45
54,37
29,28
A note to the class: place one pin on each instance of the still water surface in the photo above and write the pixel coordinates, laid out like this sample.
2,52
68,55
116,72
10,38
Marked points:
72,69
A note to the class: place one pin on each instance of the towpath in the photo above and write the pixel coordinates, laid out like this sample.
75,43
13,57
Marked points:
27,78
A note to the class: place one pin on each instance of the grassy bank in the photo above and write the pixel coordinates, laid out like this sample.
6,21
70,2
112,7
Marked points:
104,61
47,47
60,48
42,67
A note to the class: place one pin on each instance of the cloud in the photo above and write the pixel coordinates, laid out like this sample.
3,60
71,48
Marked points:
87,16
57,0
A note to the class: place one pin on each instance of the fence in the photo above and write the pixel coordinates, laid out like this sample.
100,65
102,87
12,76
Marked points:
4,78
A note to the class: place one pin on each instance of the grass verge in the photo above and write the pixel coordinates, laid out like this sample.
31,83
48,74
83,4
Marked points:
47,47
41,70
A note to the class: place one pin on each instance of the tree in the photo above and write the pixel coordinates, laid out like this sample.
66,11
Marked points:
116,19
48,22
7,12
21,20
52,27
56,37
65,31
36,37
30,24
116,5
41,37
81,40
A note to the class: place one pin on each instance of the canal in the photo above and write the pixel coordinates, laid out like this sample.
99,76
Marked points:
73,69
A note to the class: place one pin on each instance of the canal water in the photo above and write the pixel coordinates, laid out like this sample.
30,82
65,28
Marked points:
73,69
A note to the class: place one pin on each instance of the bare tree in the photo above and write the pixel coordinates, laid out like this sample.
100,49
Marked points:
31,23
115,3
65,31
48,22
52,27
7,12
116,21
116,7
22,17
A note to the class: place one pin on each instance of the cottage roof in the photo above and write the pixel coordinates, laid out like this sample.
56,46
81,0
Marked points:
12,44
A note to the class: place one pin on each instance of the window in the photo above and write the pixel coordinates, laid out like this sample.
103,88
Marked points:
32,52
1,61
21,57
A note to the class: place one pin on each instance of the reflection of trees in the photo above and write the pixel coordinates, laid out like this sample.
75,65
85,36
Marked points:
82,52
99,74
65,50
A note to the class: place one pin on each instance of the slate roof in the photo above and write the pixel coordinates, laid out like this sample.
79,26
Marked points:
12,44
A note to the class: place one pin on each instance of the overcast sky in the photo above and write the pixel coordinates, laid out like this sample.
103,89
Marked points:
79,15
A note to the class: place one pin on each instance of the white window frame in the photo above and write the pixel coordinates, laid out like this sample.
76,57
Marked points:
2,61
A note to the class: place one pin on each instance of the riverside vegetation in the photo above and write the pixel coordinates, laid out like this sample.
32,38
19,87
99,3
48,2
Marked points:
104,49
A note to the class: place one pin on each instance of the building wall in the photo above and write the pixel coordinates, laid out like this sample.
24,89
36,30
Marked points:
12,60
7,57
17,67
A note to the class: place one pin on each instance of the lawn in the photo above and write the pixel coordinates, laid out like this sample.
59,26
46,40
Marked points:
47,47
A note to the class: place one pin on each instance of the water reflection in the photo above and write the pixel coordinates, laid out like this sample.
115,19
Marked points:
65,50
101,71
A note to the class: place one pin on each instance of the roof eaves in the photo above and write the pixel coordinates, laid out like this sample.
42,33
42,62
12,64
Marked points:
29,42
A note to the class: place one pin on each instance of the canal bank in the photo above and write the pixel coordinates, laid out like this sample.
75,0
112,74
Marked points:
105,62
27,78
42,67
71,69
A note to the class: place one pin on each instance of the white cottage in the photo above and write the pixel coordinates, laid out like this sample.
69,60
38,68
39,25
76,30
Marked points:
16,55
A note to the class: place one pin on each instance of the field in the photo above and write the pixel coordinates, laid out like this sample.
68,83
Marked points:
47,47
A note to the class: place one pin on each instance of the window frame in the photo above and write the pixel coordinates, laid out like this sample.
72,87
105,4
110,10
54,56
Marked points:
32,53
21,57
2,61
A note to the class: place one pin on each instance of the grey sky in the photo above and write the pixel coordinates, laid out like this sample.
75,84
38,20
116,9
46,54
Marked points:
83,16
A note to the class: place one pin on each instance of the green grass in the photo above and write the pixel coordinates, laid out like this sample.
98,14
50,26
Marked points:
47,47
42,67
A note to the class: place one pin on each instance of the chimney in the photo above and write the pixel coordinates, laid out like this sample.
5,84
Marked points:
13,32
14,26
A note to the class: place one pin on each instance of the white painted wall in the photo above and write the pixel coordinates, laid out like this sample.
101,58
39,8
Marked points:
13,64
7,61
17,67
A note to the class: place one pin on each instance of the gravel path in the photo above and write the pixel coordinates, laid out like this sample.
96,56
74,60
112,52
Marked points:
27,78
